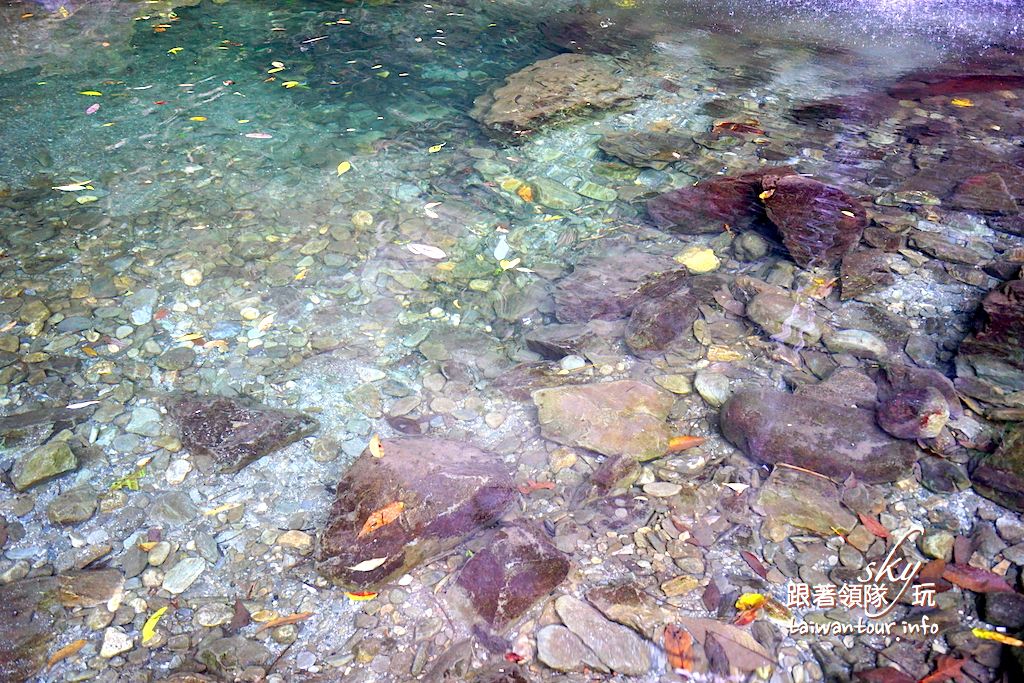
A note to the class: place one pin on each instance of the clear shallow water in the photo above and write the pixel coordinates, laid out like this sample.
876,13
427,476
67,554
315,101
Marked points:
216,144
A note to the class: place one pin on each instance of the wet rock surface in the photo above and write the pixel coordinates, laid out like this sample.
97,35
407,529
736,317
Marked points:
234,433
552,87
511,573
613,418
439,493
775,427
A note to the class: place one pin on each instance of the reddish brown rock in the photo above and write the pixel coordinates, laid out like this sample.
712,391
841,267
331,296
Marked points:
819,224
511,573
654,324
912,89
29,611
863,272
232,431
435,493
914,414
999,476
646,148
985,192
774,427
710,205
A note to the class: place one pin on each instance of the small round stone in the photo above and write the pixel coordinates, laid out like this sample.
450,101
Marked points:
192,277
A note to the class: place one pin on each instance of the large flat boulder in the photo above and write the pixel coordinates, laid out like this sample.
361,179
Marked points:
232,431
613,418
421,497
556,87
774,427
712,204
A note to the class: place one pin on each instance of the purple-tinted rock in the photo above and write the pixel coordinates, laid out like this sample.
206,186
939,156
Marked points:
985,192
448,490
654,324
999,476
914,414
617,471
1002,320
774,427
912,89
557,341
845,388
864,271
610,287
819,224
896,379
612,418
710,205
234,432
505,578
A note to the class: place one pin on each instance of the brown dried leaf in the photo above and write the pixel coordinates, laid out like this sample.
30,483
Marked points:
241,618
284,621
754,563
65,652
975,579
743,652
873,525
885,674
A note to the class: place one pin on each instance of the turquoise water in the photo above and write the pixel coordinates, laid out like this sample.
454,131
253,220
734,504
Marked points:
293,200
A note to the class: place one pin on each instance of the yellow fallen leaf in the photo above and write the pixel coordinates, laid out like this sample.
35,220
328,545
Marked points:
446,266
434,149
750,601
277,65
91,93
86,199
962,102
65,652
344,167
149,628
190,337
275,70
766,194
73,187
175,50
506,264
376,449
986,634
146,546
369,565
290,84
197,118
220,508
243,120
265,324
301,275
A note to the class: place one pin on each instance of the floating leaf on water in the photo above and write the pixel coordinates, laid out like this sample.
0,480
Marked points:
259,136
290,84
986,634
65,652
360,596
962,102
434,149
197,118
92,109
376,449
277,65
175,50
426,250
369,565
91,93
344,167
87,199
382,517
149,628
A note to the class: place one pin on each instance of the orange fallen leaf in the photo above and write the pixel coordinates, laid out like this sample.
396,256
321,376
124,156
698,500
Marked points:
525,193
284,621
873,525
946,668
678,647
684,442
382,517
530,486
65,652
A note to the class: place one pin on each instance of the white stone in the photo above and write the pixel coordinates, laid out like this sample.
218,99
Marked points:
115,641
177,471
183,575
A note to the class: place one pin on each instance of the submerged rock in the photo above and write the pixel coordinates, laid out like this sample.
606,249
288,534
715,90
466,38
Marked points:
28,613
233,432
791,498
986,192
610,287
619,648
612,418
506,577
775,427
420,498
863,272
990,362
999,476
819,224
43,464
655,323
710,205
561,85
646,148
784,319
